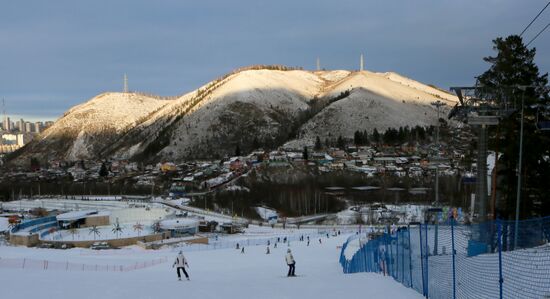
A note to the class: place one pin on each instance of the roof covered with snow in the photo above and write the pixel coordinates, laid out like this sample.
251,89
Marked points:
76,215
179,223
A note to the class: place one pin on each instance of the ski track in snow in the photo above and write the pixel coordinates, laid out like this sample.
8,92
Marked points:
223,273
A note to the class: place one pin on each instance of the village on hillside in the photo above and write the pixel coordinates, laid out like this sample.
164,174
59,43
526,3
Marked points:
384,159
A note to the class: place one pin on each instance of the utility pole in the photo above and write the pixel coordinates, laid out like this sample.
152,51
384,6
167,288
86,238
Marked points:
438,104
518,194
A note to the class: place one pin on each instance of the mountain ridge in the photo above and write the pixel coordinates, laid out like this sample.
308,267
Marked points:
265,106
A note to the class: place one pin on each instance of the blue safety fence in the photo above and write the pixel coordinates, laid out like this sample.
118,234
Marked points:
496,259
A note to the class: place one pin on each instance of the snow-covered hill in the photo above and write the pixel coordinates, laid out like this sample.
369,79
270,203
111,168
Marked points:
84,130
376,100
260,107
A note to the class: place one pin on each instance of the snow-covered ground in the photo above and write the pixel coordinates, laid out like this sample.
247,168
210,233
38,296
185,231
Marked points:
4,224
266,213
64,204
225,273
104,233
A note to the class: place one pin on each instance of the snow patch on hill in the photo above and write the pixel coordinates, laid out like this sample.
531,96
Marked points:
444,96
253,103
374,102
87,127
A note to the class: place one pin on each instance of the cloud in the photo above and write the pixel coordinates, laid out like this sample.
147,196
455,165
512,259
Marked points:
58,54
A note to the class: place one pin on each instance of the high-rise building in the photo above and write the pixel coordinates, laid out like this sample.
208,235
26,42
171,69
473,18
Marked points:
23,139
22,126
28,127
37,127
7,124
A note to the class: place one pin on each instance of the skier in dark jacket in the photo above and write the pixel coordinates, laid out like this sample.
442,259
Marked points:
290,262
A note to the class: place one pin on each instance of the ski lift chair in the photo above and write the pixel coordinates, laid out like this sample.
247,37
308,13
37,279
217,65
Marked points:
542,122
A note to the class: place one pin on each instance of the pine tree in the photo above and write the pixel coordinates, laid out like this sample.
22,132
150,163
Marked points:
365,138
318,145
421,133
103,171
238,150
357,138
375,136
401,137
255,143
512,66
35,164
340,143
305,154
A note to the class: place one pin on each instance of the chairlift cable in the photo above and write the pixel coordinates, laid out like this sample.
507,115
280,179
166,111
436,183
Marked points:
534,19
540,32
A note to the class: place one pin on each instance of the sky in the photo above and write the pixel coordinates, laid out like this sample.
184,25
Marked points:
57,54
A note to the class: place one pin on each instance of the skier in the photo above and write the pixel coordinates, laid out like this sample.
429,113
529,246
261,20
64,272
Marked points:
320,241
291,263
242,250
275,246
382,257
181,263
267,251
237,247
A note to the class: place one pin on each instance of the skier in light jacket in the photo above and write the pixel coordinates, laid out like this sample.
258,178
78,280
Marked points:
181,263
290,262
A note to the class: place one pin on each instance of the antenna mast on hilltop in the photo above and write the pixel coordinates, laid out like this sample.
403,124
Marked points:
318,64
4,110
125,83
362,62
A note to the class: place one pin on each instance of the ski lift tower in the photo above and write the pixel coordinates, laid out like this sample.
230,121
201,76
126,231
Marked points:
481,107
